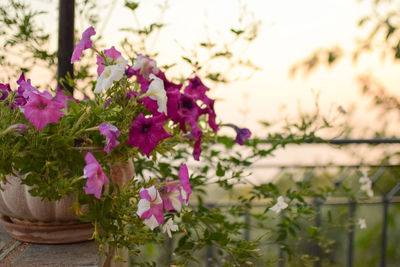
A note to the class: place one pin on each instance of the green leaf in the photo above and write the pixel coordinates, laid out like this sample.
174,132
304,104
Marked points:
220,172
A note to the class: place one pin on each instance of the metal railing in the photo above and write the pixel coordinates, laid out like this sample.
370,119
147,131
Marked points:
385,199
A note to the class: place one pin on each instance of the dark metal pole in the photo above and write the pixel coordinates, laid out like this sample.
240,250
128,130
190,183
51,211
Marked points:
384,231
316,250
65,40
350,245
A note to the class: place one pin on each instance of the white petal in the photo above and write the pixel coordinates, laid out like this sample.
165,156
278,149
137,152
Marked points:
176,203
143,206
151,222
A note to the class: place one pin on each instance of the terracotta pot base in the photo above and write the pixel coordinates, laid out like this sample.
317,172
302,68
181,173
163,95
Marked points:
40,233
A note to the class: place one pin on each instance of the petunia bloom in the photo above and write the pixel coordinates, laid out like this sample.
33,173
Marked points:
171,196
110,74
19,127
62,98
111,132
366,184
145,66
157,92
242,134
84,43
96,178
150,207
40,110
197,90
146,133
362,223
184,178
4,91
112,55
280,205
169,227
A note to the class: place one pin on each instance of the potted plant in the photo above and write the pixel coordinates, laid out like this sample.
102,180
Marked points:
77,154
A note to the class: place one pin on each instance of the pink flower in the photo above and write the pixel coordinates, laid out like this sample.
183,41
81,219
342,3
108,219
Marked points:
95,176
146,133
111,132
111,54
150,207
25,90
84,43
40,110
184,178
62,98
171,196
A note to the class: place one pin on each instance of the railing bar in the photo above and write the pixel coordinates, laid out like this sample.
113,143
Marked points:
392,192
342,176
378,174
301,166
343,141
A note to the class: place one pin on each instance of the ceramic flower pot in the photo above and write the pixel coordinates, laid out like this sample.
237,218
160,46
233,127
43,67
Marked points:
28,219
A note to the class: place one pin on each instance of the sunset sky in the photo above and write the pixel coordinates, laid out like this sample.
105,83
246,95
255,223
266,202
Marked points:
289,31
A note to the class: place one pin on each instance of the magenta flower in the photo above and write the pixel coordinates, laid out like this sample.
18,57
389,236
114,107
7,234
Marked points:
95,176
242,134
84,43
62,98
146,133
197,90
111,132
4,90
184,178
171,196
173,105
40,110
129,72
112,54
150,207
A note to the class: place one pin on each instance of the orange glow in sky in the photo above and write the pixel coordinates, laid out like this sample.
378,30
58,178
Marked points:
289,31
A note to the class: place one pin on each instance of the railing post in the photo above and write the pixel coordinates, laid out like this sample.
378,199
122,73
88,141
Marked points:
65,40
316,250
350,245
384,231
247,221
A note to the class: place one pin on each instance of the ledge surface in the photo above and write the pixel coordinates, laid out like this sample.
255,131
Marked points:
19,254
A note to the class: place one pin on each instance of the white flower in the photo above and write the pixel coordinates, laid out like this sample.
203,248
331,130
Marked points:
110,74
170,226
280,205
121,61
157,92
362,223
145,65
366,184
